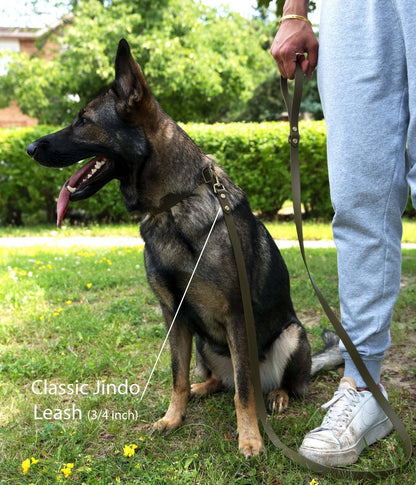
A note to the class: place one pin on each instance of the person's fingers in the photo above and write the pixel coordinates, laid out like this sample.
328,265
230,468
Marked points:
295,42
311,61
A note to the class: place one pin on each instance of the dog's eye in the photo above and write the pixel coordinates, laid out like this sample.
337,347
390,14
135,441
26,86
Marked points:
81,121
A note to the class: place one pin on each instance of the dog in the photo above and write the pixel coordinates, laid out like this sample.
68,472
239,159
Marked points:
160,170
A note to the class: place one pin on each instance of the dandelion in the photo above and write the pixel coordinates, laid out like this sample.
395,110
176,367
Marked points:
314,482
128,450
67,469
26,466
89,285
27,463
68,302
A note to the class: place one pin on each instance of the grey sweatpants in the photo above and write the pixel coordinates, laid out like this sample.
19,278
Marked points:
367,83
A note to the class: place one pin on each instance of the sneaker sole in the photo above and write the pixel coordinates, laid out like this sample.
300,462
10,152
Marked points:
348,456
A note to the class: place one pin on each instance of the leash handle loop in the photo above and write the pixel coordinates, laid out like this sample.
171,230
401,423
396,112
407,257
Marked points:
293,107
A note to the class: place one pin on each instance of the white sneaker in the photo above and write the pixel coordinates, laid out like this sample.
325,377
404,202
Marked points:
354,420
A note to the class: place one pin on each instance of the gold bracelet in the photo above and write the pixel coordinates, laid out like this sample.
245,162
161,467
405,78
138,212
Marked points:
297,17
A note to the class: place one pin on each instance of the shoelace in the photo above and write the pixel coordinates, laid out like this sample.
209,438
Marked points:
341,407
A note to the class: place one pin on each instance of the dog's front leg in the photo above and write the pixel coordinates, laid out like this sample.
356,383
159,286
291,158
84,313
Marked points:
250,442
180,340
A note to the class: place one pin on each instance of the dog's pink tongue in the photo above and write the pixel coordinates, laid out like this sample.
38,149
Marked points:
62,205
64,195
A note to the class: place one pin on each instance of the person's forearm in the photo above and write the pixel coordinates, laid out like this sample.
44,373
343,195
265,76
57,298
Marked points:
296,7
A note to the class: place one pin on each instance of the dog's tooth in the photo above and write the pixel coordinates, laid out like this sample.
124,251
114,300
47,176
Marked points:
71,189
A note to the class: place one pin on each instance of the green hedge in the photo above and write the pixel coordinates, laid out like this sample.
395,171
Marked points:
256,155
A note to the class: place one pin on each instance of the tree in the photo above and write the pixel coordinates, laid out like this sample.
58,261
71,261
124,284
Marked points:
265,4
201,65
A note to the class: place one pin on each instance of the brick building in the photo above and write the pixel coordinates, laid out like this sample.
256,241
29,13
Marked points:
23,40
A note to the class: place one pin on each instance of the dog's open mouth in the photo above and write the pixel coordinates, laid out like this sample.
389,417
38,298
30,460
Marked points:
85,182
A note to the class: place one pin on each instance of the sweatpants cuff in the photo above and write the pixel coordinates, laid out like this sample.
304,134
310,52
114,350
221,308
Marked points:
373,366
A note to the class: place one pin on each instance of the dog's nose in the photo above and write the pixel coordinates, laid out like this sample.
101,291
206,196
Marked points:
31,149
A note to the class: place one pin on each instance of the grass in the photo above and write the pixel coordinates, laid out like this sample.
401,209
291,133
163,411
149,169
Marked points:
313,230
80,316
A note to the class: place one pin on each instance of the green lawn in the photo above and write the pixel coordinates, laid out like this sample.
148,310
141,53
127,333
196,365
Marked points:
75,317
312,230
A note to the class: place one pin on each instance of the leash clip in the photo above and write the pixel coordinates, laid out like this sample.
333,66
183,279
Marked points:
210,177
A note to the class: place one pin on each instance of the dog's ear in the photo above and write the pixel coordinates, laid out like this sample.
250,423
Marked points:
129,83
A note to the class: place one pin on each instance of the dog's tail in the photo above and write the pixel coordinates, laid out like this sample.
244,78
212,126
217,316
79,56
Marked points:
330,357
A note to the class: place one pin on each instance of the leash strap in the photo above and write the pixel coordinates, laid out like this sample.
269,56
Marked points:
220,191
293,107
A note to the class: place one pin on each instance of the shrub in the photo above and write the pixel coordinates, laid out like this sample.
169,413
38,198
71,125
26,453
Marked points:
256,155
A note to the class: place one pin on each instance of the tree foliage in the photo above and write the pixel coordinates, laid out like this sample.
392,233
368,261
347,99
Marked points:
265,4
201,65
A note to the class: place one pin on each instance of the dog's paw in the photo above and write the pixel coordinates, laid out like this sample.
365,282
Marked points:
210,386
277,400
250,447
165,426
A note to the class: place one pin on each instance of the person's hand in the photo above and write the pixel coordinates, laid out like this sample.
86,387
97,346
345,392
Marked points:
295,41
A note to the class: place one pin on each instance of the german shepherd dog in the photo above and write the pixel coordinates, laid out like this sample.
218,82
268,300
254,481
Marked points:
160,170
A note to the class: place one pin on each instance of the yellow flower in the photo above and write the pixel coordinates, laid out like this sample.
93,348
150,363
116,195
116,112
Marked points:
26,466
89,285
67,470
68,302
34,460
314,482
128,450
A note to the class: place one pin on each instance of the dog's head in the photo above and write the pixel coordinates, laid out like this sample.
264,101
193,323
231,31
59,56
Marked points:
112,129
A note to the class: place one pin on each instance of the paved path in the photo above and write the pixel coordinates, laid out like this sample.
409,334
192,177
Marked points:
67,242
113,241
